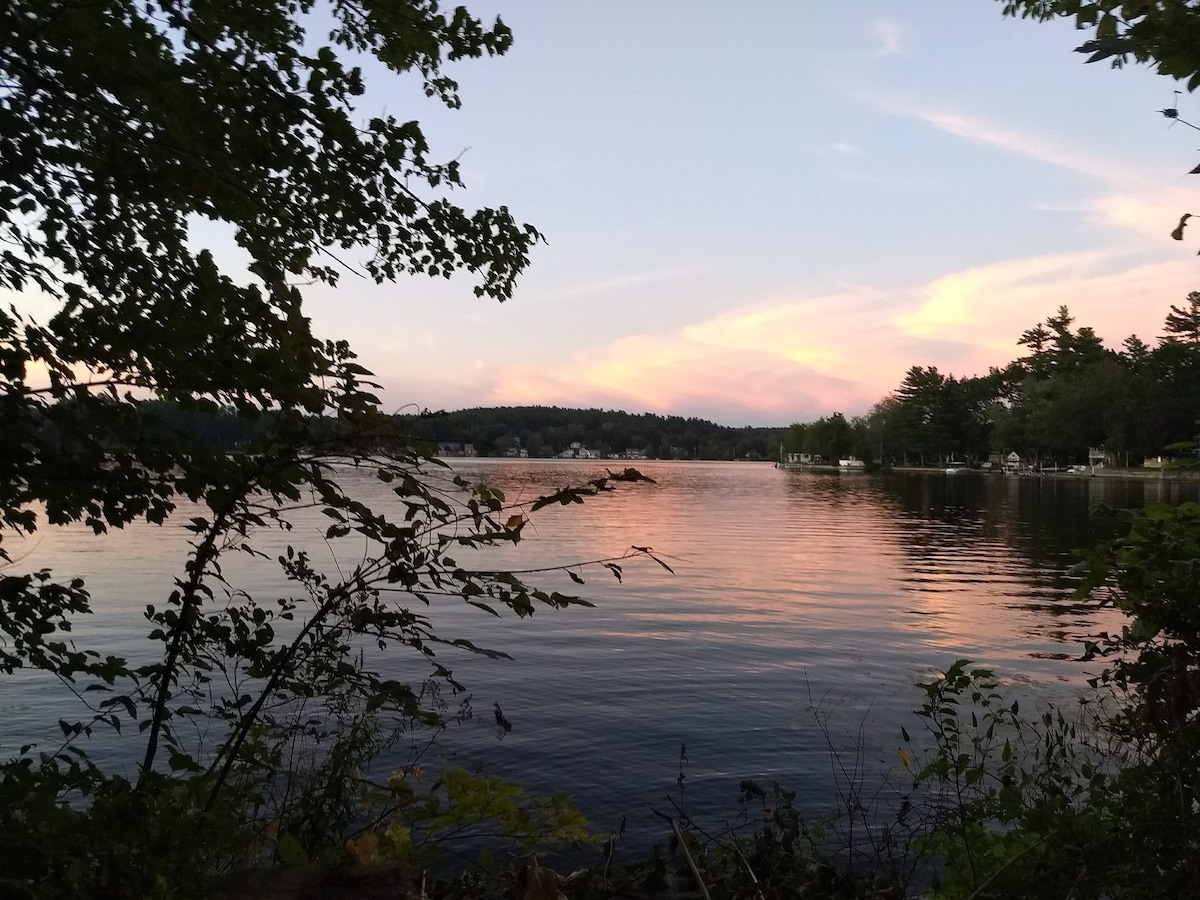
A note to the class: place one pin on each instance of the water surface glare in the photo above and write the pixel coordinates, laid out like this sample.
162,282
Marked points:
792,592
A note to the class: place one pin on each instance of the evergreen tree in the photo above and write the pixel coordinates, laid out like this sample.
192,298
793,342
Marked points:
1184,324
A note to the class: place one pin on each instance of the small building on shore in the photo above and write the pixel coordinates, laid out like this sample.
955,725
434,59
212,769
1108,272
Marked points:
455,448
577,451
1012,463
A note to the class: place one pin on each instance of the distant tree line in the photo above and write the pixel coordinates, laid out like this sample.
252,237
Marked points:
1069,394
541,431
546,431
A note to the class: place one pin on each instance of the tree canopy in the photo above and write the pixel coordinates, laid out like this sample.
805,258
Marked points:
1065,396
1162,33
121,126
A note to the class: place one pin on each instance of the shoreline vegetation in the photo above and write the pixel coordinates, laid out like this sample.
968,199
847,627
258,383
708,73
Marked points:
985,800
1071,402
1163,473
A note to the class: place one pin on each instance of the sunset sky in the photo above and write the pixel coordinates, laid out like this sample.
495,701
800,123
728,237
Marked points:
763,212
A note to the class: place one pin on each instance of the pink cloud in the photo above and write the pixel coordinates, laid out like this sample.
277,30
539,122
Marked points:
667,376
792,358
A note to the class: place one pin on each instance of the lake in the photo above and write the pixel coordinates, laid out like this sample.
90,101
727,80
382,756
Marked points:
795,597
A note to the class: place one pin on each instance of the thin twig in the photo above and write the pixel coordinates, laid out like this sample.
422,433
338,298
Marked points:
686,853
691,862
749,871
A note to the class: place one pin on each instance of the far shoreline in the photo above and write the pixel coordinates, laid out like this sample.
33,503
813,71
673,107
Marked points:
1141,474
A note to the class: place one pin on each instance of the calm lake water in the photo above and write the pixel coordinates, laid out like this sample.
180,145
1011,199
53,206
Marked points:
794,595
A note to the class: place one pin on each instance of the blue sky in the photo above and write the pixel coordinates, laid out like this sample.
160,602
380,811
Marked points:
764,212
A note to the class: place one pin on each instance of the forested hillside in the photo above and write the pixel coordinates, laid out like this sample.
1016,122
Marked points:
544,431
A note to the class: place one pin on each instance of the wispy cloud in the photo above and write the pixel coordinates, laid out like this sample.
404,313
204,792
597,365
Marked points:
991,305
1150,210
632,279
672,374
888,37
1029,144
793,356
954,300
900,182
1127,197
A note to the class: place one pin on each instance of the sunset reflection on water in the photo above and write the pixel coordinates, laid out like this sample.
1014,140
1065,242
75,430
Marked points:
790,591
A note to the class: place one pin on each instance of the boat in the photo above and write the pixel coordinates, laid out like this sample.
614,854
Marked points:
850,465
956,468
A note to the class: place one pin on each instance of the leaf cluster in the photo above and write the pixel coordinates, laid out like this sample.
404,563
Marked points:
124,127
1162,33
1104,805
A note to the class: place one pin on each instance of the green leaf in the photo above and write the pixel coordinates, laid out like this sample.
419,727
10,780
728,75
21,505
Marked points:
291,853
182,762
